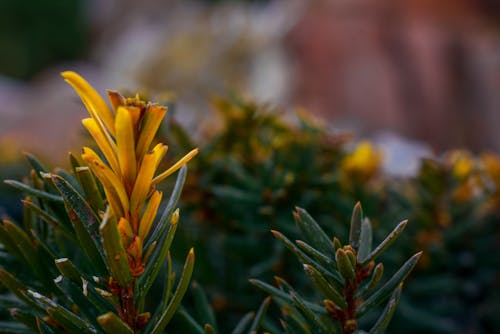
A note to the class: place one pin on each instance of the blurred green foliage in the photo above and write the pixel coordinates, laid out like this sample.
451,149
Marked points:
35,34
257,166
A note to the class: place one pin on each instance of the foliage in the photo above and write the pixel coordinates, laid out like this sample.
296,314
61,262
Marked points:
346,278
94,250
248,177
90,245
451,203
256,166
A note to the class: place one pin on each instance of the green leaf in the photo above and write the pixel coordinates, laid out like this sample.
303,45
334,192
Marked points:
35,163
386,243
309,314
79,206
259,316
344,265
386,316
312,232
283,295
189,324
90,188
156,260
315,254
68,269
388,288
65,318
204,311
326,288
170,280
365,242
294,321
47,253
29,251
356,221
29,216
24,317
112,324
159,229
68,178
378,271
243,323
116,257
17,288
49,219
9,244
85,223
78,297
336,243
74,162
306,259
178,295
34,192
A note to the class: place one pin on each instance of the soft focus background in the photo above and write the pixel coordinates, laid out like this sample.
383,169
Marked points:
417,77
421,69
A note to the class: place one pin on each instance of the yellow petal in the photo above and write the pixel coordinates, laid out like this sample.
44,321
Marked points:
125,231
159,152
146,172
135,249
135,115
149,214
110,181
95,104
143,183
107,148
125,145
150,124
116,99
175,167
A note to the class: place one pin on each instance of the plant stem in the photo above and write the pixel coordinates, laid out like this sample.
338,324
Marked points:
128,312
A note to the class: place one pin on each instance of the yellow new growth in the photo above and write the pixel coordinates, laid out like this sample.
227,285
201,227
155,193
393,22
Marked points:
364,161
124,134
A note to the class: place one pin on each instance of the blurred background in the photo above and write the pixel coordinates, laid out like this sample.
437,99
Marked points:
417,77
425,70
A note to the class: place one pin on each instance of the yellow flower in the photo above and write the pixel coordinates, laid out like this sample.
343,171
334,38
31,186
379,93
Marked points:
124,134
363,162
462,163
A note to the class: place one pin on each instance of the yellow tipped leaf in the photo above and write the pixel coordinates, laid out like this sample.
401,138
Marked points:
149,214
150,124
95,104
110,181
125,231
116,99
184,160
146,172
125,145
142,183
108,148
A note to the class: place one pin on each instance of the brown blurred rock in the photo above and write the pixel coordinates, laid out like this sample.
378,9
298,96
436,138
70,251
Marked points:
427,69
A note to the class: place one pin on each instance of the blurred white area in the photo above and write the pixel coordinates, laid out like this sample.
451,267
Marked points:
401,156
